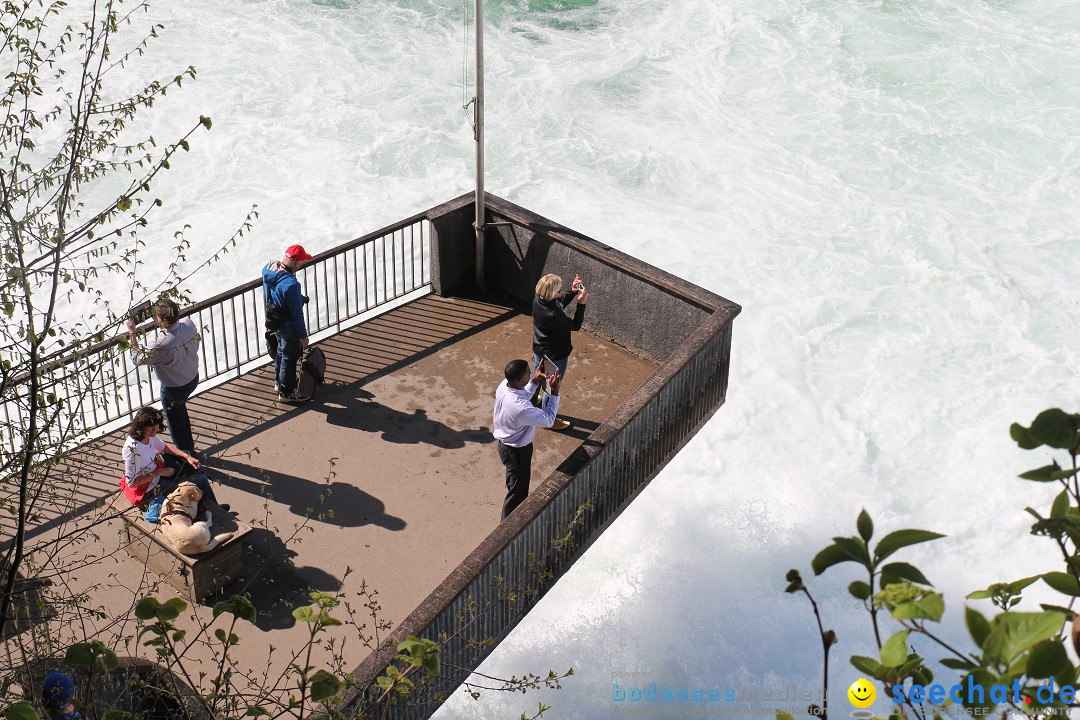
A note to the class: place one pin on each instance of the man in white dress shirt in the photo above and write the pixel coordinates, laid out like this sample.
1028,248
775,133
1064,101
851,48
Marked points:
515,422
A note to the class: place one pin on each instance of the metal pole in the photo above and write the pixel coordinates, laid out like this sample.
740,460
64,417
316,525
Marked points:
478,132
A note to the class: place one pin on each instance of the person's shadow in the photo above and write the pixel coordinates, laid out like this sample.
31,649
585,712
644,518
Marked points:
358,410
335,503
274,583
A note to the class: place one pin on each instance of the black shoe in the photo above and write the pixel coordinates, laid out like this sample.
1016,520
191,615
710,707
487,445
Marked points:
292,399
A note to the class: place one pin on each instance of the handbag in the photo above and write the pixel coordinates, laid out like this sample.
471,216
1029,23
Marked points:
134,493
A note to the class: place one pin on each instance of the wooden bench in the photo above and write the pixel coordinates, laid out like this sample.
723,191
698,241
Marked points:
195,576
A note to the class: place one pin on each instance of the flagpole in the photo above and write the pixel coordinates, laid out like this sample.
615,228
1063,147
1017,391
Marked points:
478,132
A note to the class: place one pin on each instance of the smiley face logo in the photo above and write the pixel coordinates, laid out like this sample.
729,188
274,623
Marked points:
861,693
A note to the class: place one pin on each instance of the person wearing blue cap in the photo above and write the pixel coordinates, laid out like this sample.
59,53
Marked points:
58,695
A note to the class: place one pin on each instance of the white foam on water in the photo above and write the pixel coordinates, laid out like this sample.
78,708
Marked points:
887,188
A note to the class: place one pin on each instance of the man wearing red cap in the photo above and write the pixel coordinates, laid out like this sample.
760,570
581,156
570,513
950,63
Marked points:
285,317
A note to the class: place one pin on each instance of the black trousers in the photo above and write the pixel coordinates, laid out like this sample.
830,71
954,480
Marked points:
518,462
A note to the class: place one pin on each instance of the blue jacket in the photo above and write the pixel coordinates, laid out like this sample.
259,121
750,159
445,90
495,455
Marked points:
281,287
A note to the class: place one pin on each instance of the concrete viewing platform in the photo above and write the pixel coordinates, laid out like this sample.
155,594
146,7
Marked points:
387,487
391,471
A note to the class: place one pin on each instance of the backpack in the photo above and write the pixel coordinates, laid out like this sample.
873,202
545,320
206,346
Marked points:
276,317
312,373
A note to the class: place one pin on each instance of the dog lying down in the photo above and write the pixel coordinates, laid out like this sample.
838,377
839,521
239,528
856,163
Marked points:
178,521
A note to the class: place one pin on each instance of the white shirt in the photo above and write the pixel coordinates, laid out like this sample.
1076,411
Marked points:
141,458
515,418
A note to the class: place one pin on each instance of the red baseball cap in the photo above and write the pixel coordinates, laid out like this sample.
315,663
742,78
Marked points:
297,252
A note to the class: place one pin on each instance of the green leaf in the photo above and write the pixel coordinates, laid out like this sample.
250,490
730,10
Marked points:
1065,474
431,661
1017,585
1054,427
1047,659
205,121
781,715
886,579
147,608
831,555
21,711
304,614
895,650
171,609
1062,582
1061,505
976,625
930,607
901,539
906,571
955,664
80,654
922,675
123,204
1056,608
859,590
109,660
256,711
237,605
865,526
1012,633
855,549
324,686
985,679
870,666
1022,437
1042,474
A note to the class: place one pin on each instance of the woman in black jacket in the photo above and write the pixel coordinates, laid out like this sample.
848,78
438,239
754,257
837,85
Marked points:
552,327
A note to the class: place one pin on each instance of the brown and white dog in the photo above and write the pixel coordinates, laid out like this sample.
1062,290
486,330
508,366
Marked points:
178,515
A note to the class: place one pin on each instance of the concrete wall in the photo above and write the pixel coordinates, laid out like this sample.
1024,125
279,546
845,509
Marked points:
452,244
643,309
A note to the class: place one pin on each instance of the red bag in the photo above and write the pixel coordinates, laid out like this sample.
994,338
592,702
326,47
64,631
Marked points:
136,494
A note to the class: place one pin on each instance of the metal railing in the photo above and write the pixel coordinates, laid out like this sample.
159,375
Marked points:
97,388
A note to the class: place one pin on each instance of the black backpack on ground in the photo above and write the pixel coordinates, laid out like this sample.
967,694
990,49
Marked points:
312,373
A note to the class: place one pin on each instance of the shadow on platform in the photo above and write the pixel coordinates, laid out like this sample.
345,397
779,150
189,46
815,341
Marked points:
334,503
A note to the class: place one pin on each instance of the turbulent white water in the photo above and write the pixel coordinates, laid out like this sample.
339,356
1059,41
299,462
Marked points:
888,188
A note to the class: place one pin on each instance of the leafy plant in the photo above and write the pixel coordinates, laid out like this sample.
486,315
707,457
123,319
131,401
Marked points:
1024,651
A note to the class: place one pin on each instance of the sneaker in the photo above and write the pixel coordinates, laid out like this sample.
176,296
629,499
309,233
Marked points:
560,424
291,399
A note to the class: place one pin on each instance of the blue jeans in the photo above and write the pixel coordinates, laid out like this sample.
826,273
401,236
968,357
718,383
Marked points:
287,355
174,401
561,364
167,484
